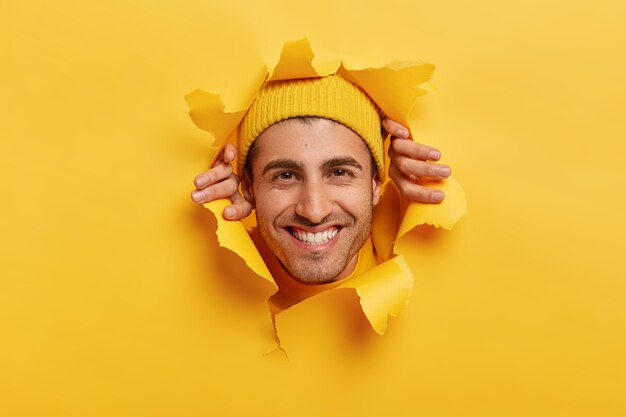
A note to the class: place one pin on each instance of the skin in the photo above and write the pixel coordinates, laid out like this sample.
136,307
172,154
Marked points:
410,162
308,179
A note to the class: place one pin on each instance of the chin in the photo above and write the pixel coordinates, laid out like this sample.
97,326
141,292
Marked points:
314,274
313,280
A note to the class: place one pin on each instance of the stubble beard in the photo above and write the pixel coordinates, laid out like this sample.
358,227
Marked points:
324,266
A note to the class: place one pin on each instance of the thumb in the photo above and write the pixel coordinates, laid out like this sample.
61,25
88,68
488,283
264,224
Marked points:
239,209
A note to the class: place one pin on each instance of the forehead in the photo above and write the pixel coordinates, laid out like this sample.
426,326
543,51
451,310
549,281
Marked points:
310,141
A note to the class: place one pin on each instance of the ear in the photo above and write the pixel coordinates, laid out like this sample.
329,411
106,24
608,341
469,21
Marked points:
246,188
376,187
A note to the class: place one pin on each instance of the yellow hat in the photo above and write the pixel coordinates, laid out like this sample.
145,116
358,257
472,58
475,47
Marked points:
332,97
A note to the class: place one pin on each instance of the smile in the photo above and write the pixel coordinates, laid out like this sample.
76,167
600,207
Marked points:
313,239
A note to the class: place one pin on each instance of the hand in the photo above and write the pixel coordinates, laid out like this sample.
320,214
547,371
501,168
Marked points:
220,182
410,163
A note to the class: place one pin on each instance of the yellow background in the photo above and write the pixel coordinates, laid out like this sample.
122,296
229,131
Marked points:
115,300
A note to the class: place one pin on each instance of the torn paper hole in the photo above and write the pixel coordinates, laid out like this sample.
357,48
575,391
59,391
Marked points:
383,289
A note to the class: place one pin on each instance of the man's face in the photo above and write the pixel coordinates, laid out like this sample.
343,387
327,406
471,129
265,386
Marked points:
313,191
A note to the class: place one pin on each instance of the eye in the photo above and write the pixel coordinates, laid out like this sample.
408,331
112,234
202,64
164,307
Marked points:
340,173
285,176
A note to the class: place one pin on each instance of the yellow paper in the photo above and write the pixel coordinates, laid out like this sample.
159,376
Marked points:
394,87
233,235
116,300
207,112
386,222
384,290
444,215
296,62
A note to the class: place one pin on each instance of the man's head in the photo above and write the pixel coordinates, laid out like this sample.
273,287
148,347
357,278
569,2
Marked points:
311,177
332,97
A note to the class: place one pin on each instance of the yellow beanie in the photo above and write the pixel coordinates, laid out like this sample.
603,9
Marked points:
332,97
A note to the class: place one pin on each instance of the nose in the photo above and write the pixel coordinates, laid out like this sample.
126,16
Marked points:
314,202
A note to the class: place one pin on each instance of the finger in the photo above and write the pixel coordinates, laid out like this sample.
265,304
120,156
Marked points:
415,150
415,168
421,194
396,129
240,208
219,159
214,175
229,153
222,189
416,192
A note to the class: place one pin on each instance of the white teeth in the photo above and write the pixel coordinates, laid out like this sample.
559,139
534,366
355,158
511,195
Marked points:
318,238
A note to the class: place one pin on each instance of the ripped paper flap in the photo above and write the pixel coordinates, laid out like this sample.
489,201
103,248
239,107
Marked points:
385,289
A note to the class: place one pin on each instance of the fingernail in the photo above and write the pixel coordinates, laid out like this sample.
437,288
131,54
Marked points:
434,155
402,133
196,196
437,196
444,172
229,212
201,181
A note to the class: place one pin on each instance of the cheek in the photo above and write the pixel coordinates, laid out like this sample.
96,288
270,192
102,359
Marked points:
357,202
270,205
264,213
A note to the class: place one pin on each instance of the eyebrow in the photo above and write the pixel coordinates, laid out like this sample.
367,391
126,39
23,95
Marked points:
341,161
282,164
290,164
